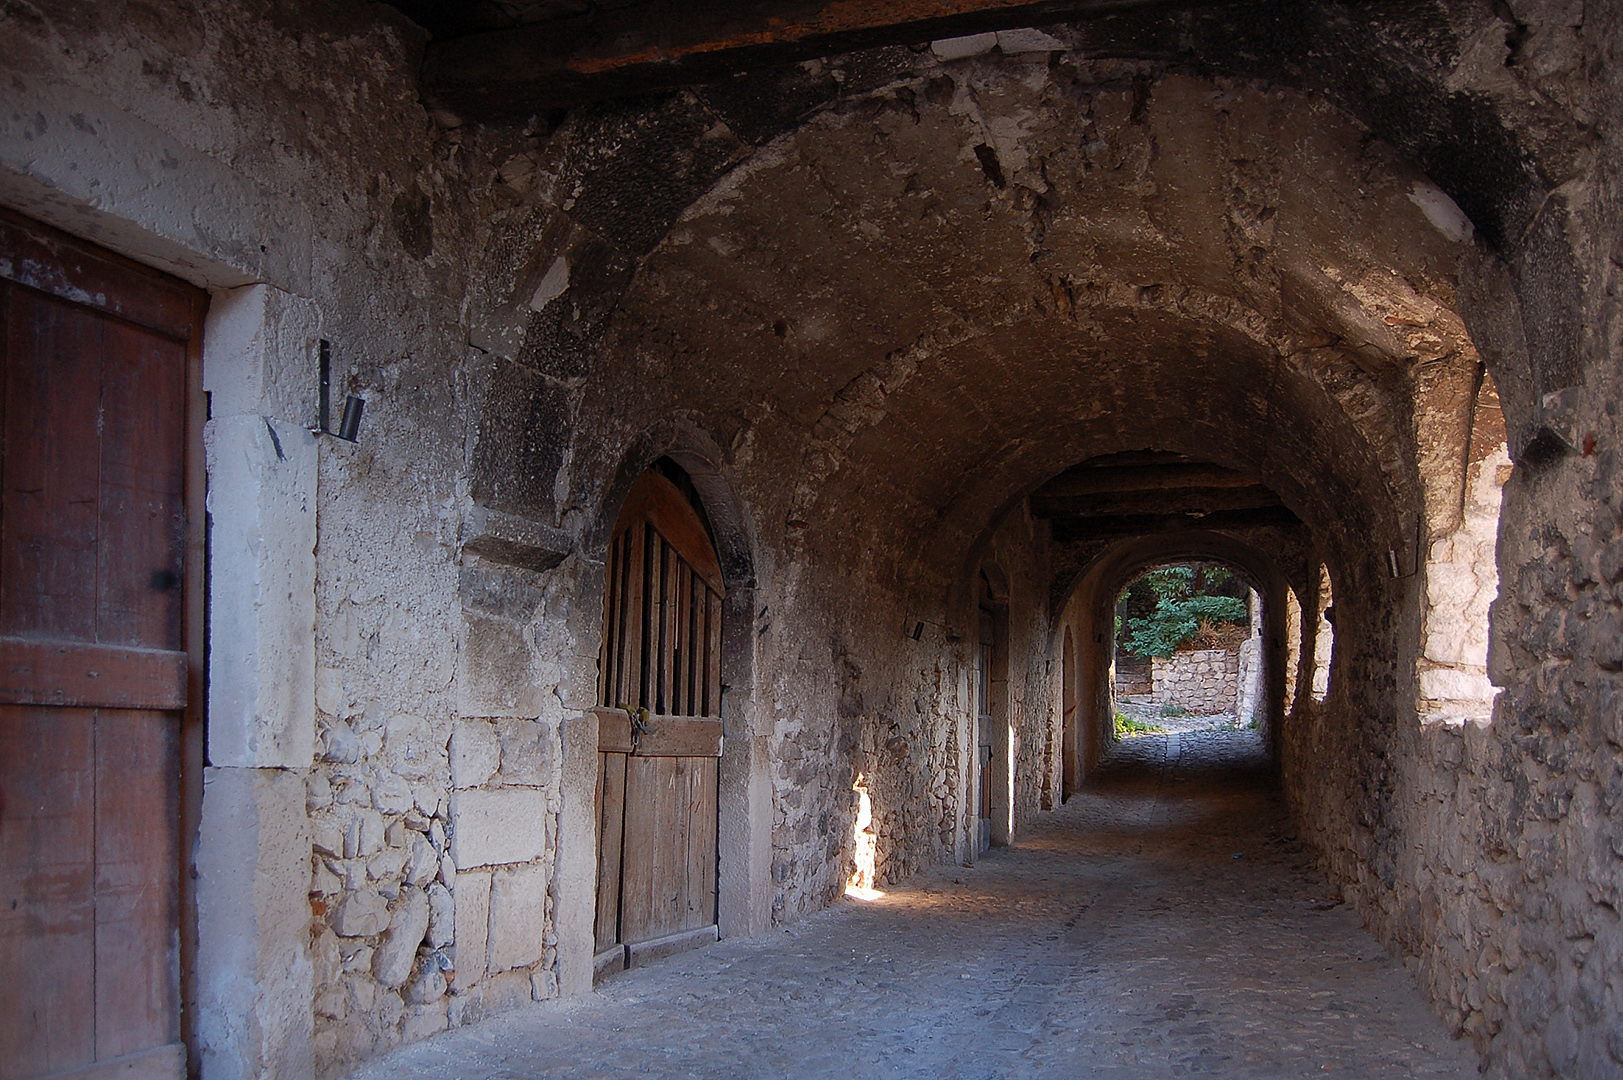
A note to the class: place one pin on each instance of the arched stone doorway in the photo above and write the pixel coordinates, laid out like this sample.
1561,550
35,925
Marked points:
1070,758
659,726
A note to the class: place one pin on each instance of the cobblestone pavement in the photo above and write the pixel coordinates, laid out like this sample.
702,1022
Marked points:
1163,923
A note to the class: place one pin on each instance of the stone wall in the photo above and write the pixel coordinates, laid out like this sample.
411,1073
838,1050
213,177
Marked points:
1199,681
1250,702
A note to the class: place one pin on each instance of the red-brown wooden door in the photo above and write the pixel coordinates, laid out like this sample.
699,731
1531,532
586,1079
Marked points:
96,616
659,730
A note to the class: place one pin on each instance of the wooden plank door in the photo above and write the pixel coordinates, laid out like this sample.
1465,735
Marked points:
984,735
97,613
659,730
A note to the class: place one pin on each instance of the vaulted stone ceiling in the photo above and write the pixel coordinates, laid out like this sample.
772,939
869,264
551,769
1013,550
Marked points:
925,302
922,280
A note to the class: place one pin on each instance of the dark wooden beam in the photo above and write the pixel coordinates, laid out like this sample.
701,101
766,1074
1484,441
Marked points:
1067,530
1094,480
1176,501
644,47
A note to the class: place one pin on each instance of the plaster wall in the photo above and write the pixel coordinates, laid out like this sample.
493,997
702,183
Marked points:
280,158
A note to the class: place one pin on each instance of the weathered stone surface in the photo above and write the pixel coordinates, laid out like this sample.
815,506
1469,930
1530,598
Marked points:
472,927
507,825
396,955
262,550
254,924
529,753
1202,681
441,916
475,753
361,913
518,909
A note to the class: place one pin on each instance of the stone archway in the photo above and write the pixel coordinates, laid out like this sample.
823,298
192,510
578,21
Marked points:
1089,610
744,801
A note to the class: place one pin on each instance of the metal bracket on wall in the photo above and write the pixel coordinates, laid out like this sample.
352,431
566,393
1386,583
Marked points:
349,425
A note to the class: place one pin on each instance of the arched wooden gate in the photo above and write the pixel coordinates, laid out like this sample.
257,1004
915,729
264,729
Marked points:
659,730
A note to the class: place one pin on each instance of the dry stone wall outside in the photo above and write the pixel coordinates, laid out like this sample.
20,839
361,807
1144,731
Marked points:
1200,681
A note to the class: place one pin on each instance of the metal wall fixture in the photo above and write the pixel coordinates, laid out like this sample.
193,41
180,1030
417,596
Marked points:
349,424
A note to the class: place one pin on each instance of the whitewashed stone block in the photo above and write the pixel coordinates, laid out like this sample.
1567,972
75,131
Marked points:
507,825
518,916
262,592
472,925
475,753
261,361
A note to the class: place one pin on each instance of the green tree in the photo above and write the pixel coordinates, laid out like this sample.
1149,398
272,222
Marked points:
1186,597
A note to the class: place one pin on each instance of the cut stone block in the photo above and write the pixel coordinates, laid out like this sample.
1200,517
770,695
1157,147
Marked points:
507,825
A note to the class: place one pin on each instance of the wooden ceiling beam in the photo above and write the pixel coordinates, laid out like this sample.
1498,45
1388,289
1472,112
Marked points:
1097,480
1175,501
1069,530
643,47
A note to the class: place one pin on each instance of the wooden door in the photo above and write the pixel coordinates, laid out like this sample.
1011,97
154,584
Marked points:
1070,768
659,730
984,739
97,612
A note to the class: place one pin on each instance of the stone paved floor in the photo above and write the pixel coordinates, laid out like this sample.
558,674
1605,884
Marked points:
1162,924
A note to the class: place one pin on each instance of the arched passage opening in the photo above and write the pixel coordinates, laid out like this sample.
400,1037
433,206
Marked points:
1089,612
1187,644
1181,285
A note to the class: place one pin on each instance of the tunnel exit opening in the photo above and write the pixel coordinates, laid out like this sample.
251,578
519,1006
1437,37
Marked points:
1187,651
1175,630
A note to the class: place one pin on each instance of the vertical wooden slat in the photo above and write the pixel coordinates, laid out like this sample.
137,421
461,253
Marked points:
655,616
137,944
47,889
681,588
606,653
702,844
679,811
690,642
694,660
51,482
195,631
673,629
619,680
638,869
673,877
713,677
667,637
142,508
634,626
611,818
622,639
673,573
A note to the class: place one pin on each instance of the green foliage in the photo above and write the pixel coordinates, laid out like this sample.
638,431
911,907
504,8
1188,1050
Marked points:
1170,582
1127,727
1173,710
1176,621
